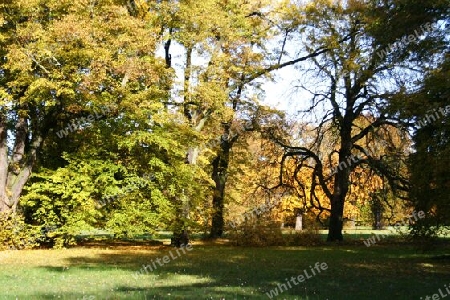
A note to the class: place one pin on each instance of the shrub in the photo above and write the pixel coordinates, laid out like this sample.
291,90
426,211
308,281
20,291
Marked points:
425,232
264,231
15,234
257,232
308,237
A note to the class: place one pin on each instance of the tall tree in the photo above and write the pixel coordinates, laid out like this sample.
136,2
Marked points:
224,53
357,77
430,176
247,57
64,65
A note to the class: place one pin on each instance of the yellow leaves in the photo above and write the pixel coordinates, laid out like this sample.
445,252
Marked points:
5,98
70,29
290,13
39,91
66,93
25,5
317,6
3,37
3,22
18,60
141,9
356,5
211,95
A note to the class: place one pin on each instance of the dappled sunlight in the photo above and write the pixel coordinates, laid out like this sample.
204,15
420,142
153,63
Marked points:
179,280
365,266
246,272
426,265
224,149
351,251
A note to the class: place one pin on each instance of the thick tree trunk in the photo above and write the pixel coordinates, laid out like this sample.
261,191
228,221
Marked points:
218,200
16,170
341,185
219,175
336,219
4,199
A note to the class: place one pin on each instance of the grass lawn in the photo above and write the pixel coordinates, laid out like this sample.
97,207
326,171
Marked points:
223,272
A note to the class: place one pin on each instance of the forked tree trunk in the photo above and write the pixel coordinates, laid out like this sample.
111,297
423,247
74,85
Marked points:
15,171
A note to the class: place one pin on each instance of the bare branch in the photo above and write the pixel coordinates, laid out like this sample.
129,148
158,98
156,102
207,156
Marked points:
375,124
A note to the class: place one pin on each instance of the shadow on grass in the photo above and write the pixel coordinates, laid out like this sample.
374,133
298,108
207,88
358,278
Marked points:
211,272
145,293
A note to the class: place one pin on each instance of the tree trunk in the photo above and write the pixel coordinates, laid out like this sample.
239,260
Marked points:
4,199
15,170
336,219
218,200
180,231
341,184
11,189
219,175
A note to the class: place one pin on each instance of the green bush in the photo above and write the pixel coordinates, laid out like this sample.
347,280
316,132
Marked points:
88,194
15,234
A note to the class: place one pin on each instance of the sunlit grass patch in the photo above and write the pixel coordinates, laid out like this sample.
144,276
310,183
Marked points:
223,272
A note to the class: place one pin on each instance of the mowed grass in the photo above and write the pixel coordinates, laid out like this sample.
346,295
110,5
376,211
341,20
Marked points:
223,272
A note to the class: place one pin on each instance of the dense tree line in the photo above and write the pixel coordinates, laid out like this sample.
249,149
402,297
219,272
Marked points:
131,116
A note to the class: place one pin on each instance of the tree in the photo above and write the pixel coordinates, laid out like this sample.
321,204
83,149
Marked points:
110,133
244,60
356,77
218,95
424,112
65,65
428,164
